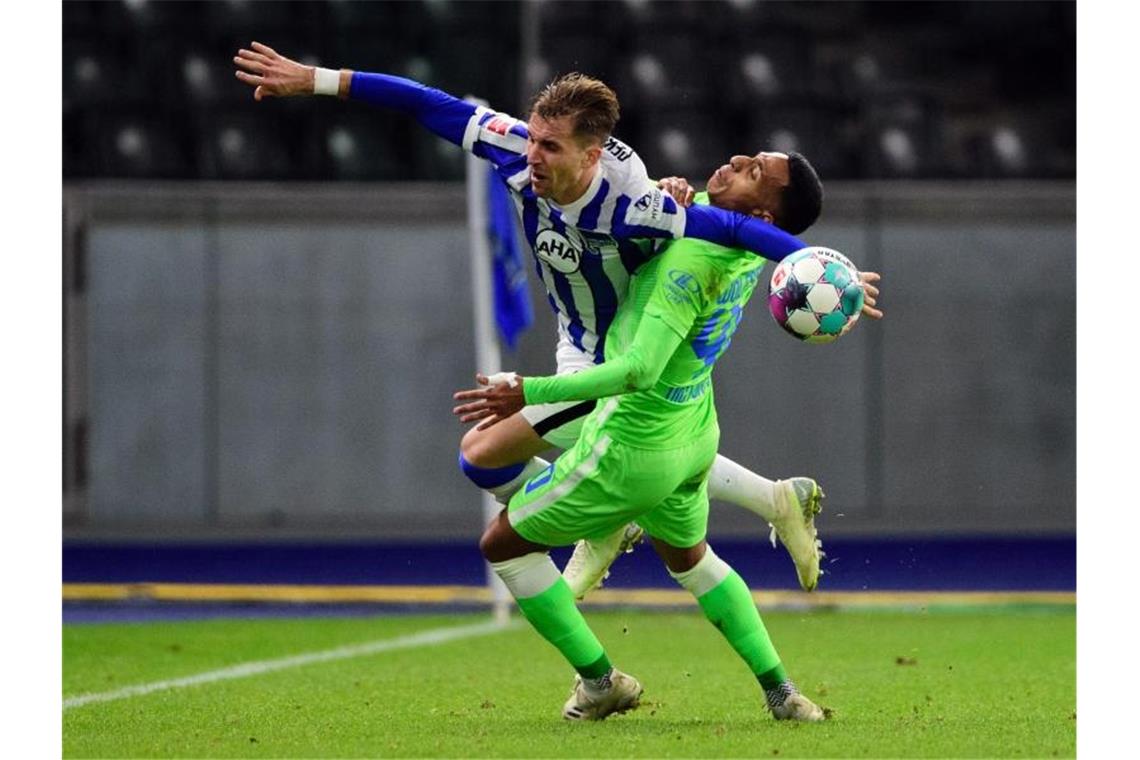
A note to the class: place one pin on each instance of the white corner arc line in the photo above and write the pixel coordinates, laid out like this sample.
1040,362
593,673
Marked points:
430,637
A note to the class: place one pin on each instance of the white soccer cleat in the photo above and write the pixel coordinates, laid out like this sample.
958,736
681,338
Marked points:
798,501
590,563
799,707
624,694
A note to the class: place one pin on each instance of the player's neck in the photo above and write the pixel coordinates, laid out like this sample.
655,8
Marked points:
577,190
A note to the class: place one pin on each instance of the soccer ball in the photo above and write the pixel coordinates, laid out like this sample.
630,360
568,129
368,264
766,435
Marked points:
815,294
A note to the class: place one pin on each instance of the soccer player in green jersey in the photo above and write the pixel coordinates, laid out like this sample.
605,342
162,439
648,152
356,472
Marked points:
587,205
644,455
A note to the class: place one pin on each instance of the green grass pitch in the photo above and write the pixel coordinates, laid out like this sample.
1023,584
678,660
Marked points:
970,683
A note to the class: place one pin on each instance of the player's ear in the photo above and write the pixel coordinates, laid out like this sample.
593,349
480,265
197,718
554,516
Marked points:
593,153
764,214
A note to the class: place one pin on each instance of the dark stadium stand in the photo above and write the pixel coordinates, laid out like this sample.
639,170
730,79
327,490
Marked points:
901,89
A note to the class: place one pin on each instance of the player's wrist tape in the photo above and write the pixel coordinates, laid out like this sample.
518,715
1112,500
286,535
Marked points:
510,378
326,81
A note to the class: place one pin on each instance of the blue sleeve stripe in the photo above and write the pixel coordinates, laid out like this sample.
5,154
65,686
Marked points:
736,230
588,219
443,114
509,168
622,230
497,156
621,206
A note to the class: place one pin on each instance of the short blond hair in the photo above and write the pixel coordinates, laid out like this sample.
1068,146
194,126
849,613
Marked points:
591,104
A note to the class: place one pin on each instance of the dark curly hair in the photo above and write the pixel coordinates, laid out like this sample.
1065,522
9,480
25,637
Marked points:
802,199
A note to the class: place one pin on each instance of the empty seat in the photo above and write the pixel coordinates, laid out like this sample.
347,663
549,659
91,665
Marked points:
436,159
364,146
681,142
140,145
825,133
241,144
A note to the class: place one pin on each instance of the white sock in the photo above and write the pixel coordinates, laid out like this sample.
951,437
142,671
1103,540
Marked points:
730,482
504,492
709,572
528,575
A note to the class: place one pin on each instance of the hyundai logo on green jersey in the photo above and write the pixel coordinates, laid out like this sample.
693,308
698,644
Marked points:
682,287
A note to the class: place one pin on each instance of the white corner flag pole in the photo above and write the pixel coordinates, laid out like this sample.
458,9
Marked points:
488,360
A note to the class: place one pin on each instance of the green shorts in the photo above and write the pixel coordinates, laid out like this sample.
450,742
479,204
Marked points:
601,484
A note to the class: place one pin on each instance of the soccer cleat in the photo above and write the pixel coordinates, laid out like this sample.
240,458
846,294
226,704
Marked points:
590,563
799,707
798,501
624,694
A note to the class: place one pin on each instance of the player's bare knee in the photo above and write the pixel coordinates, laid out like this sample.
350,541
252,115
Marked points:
480,449
495,544
677,559
487,543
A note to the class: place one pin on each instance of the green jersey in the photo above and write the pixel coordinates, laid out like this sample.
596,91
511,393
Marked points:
683,307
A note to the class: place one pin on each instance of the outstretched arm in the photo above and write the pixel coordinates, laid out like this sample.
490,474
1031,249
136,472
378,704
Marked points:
638,369
736,230
273,75
655,214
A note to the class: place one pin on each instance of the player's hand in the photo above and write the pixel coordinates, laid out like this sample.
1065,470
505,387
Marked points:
272,74
490,404
870,294
679,188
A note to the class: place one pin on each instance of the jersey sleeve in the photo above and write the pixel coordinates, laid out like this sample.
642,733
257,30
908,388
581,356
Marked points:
638,369
735,230
497,137
683,278
645,211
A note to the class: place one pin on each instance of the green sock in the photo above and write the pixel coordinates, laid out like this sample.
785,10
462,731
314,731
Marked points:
555,616
730,608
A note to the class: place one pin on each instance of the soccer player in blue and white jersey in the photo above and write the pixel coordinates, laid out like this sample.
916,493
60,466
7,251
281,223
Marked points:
589,211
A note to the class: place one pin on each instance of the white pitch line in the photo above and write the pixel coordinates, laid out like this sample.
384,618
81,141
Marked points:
422,639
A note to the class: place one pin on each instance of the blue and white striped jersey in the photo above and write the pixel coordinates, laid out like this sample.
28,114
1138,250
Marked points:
585,268
584,251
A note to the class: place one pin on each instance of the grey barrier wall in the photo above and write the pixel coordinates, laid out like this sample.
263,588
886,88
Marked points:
259,360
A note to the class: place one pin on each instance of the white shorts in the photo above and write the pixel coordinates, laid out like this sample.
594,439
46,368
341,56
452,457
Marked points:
560,424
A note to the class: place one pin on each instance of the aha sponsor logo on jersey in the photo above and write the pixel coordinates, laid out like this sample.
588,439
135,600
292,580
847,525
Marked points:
556,250
682,287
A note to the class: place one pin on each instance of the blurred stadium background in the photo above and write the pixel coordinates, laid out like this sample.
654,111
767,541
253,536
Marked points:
268,305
